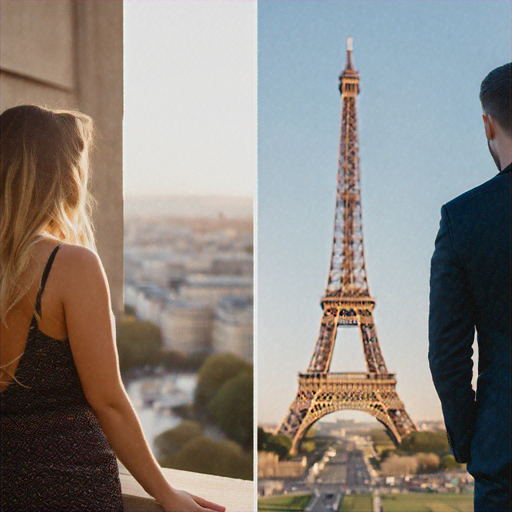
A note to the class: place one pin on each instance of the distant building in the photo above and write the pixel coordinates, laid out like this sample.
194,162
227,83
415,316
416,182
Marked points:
210,289
157,270
269,487
233,326
431,425
193,279
240,264
196,325
148,300
154,266
187,326
269,466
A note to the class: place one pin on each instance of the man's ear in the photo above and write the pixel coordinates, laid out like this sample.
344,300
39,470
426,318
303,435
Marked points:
490,132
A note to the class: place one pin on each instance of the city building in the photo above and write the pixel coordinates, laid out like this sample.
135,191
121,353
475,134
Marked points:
240,264
187,327
269,466
212,288
233,326
192,277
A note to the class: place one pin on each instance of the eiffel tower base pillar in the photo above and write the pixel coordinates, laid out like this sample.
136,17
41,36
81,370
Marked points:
322,394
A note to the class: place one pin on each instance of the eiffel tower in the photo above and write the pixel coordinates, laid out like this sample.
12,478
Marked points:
347,302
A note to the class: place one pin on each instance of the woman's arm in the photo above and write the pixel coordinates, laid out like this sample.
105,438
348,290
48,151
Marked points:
90,326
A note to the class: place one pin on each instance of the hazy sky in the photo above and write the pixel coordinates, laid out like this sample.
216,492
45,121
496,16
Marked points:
422,143
190,97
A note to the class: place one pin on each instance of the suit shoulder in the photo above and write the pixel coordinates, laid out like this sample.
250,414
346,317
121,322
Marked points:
482,193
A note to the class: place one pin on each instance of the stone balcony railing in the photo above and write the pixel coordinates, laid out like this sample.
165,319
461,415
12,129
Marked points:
236,495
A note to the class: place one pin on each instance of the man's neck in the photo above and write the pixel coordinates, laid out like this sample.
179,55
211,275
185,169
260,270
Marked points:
506,162
504,150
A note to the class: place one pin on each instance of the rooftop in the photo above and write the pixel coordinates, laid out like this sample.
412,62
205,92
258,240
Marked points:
208,280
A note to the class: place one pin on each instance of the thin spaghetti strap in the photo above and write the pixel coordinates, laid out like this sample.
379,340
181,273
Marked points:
46,273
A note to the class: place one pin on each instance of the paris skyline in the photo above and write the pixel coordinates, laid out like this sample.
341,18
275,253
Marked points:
421,65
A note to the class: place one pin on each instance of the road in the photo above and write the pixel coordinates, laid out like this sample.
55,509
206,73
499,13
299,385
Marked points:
358,475
325,500
343,468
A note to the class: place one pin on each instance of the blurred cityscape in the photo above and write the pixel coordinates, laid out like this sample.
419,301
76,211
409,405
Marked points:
349,465
185,341
193,278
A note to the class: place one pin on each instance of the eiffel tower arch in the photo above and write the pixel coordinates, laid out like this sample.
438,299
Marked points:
347,302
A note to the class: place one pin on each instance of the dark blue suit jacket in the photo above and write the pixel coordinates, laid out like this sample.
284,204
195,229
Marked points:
470,289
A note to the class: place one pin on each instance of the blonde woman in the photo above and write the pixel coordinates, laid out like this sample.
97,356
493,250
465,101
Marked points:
65,412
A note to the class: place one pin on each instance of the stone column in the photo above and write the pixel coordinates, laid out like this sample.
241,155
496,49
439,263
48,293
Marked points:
69,54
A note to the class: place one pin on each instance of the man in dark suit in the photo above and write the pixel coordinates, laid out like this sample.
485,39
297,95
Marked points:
470,288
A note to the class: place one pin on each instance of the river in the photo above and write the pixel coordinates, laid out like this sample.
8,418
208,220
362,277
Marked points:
153,397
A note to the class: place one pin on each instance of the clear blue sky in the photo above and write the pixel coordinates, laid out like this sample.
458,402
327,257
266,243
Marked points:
422,143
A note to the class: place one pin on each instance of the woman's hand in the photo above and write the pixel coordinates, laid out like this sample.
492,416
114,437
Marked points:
183,501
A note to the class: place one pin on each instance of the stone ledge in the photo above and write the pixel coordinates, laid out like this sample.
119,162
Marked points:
235,494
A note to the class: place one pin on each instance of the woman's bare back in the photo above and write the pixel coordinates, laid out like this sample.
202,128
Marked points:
14,332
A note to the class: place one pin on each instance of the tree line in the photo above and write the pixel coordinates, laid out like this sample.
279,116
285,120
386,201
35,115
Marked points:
217,436
223,400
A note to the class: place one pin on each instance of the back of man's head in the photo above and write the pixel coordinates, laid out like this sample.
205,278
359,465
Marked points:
496,96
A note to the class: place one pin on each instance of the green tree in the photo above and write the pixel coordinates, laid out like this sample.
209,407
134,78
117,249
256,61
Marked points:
216,370
195,360
428,442
308,446
173,360
203,455
384,454
427,462
379,437
279,444
138,343
170,442
448,462
129,310
232,408
263,437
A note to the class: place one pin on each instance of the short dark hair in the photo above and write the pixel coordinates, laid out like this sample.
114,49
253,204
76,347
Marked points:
496,95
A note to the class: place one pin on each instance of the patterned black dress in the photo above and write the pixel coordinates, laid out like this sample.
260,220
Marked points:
55,456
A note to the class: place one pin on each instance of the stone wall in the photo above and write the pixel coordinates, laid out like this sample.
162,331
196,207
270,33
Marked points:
69,54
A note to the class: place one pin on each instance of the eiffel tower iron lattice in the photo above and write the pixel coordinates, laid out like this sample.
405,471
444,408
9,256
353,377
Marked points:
347,302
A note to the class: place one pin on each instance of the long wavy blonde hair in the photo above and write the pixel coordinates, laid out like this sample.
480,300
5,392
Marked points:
44,174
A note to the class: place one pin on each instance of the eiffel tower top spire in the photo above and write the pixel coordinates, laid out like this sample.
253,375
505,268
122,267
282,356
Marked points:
349,66
347,274
349,73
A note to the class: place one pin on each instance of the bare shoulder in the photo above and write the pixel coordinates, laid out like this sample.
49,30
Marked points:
76,257
81,270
